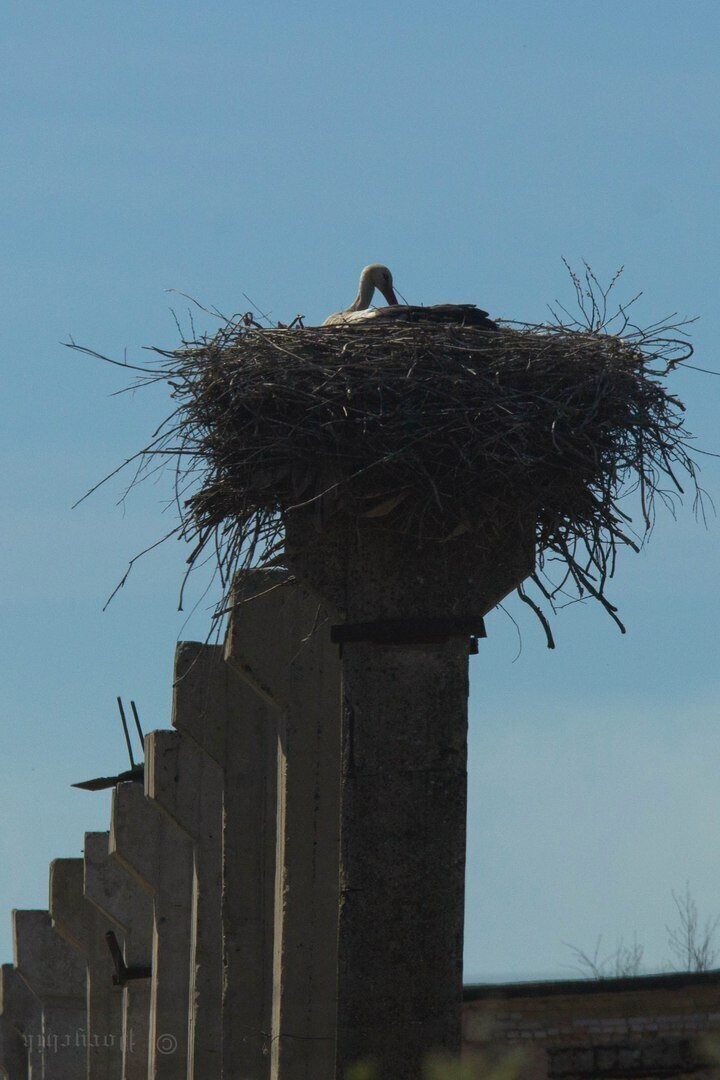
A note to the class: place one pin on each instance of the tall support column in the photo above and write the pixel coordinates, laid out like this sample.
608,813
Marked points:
402,824
183,781
408,613
216,707
279,641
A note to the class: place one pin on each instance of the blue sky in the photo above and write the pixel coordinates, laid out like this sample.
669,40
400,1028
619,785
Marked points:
274,152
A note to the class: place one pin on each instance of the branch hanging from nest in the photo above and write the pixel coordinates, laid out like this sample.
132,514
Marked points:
428,426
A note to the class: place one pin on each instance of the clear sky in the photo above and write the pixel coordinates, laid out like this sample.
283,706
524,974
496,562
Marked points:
273,151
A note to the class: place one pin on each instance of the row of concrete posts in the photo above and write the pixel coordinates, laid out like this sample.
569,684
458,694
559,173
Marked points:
210,885
283,896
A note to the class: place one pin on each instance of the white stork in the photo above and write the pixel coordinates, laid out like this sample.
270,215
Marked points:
377,276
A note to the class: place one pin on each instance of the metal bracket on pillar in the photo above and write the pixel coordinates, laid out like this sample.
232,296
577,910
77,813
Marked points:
123,973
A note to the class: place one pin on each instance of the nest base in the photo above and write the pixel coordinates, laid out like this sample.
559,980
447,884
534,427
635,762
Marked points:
375,573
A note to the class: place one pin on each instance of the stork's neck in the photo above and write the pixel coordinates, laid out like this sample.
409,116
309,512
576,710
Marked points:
364,294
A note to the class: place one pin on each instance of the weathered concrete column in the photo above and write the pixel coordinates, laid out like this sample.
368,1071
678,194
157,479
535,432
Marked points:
127,906
409,614
22,1026
187,785
215,707
279,640
403,852
160,856
56,975
83,927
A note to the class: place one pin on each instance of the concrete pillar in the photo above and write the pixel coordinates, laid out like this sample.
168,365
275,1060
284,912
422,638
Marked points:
199,710
84,927
403,852
279,641
55,973
21,1027
127,907
409,612
217,708
152,848
185,782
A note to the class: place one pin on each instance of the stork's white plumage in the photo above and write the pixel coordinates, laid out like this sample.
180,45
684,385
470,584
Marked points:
375,276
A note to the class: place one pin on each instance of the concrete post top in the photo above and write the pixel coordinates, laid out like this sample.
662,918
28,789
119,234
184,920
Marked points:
67,902
158,744
269,660
113,891
199,684
134,833
127,798
51,967
144,838
95,846
180,778
16,997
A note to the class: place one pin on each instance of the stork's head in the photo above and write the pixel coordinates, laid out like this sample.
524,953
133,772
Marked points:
379,277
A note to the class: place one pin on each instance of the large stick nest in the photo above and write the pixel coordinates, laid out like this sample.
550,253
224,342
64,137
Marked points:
427,426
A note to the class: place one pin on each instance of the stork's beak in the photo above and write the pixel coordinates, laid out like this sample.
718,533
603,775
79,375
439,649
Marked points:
389,295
